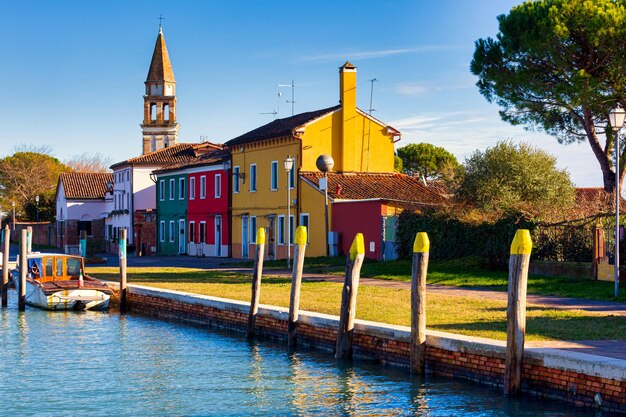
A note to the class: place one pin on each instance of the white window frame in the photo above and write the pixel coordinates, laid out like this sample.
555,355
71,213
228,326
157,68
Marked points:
192,188
181,188
236,171
202,187
252,179
274,176
280,230
162,231
192,231
172,230
218,185
172,188
252,229
308,225
292,228
162,190
202,227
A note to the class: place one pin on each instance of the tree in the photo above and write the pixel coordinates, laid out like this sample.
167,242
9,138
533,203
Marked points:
26,174
429,161
397,164
86,162
560,66
509,176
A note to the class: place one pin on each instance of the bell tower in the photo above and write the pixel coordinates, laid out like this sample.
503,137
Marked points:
159,126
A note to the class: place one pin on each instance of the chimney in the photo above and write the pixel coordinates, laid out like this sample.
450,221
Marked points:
347,99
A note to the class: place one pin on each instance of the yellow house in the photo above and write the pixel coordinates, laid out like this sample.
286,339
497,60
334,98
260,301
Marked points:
263,192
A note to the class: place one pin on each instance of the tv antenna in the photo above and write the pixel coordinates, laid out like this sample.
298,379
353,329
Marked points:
276,113
293,92
371,109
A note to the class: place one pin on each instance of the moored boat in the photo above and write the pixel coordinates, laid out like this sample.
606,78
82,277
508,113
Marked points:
58,282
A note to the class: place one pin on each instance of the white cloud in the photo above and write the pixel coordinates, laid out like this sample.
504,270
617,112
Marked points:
422,89
361,55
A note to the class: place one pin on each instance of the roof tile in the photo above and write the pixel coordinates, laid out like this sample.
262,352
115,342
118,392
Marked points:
85,185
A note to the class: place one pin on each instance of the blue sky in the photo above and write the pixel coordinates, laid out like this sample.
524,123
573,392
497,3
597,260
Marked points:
73,72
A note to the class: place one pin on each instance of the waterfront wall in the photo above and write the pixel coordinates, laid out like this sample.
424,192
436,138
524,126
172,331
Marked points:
549,373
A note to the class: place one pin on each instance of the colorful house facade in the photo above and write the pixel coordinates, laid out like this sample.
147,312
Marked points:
265,195
193,203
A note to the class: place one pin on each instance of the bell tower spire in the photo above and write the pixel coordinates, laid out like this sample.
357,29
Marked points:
159,126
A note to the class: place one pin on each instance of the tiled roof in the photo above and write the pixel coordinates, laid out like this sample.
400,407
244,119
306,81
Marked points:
160,67
85,184
280,127
210,158
182,152
384,186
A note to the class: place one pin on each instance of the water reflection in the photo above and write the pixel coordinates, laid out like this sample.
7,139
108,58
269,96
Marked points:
106,364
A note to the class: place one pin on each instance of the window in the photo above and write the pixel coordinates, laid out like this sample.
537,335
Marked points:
181,188
162,231
203,186
172,188
192,188
274,176
128,175
172,229
218,185
128,201
235,179
292,177
281,230
304,221
291,229
202,232
252,178
192,232
162,190
153,115
252,229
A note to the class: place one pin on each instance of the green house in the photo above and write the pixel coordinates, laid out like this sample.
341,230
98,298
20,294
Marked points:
171,213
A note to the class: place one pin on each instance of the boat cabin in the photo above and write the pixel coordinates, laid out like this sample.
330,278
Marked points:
55,267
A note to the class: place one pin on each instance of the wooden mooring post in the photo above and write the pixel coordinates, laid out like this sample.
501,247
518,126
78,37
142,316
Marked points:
296,281
256,280
6,236
83,243
421,248
122,256
21,301
516,310
347,314
29,239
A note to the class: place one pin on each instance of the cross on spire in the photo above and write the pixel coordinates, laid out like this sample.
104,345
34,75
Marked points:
160,19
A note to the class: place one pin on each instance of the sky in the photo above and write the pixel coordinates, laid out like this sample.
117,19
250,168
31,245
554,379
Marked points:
73,72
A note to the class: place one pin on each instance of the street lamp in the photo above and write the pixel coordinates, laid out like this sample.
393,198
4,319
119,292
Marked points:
37,204
288,167
325,164
616,118
13,205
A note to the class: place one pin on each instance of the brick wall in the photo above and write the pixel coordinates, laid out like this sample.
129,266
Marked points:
549,373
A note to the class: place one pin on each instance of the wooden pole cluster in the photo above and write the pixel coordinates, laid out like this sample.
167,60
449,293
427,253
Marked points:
421,248
256,280
83,243
296,280
122,256
516,310
5,265
21,301
347,314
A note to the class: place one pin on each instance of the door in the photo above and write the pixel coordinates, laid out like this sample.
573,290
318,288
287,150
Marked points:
271,237
182,239
244,237
218,235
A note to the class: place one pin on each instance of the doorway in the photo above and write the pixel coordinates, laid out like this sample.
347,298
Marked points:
218,235
182,239
271,236
244,237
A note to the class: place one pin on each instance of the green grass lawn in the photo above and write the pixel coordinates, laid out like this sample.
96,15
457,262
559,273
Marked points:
465,272
463,315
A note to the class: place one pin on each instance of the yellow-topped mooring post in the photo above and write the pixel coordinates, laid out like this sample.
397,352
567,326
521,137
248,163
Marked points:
256,280
296,280
519,262
421,248
6,236
347,313
123,260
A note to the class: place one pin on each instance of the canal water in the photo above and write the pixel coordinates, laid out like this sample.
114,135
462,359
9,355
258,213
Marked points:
104,364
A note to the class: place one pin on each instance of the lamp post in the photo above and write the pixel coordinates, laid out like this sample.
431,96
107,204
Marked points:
325,164
616,118
13,205
37,204
288,167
